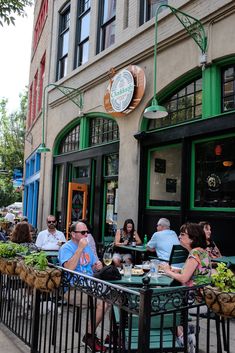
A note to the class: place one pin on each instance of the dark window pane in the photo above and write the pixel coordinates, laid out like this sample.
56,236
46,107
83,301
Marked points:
102,131
182,106
229,74
111,165
70,142
215,173
228,88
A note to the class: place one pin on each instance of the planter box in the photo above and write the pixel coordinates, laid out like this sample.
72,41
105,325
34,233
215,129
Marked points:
8,266
45,281
221,303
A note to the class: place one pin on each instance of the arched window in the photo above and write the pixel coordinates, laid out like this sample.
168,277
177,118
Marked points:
183,106
70,142
102,130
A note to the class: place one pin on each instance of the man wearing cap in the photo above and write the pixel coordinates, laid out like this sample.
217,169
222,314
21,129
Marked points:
50,238
163,240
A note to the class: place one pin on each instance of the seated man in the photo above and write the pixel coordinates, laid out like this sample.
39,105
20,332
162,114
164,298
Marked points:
50,238
163,240
78,256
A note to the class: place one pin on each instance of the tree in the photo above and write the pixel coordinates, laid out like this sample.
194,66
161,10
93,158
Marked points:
9,7
12,131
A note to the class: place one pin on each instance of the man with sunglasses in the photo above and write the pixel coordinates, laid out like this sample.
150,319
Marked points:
78,256
50,238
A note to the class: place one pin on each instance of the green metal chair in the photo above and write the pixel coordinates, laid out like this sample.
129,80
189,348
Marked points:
178,255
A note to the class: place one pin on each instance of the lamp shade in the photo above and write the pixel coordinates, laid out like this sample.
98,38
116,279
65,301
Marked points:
155,111
43,148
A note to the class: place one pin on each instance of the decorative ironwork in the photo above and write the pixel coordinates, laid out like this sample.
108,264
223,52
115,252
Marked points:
193,26
113,294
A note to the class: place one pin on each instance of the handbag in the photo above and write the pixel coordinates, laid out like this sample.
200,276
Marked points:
108,273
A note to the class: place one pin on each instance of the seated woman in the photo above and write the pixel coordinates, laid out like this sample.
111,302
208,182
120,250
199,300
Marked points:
198,264
125,236
21,235
211,248
192,237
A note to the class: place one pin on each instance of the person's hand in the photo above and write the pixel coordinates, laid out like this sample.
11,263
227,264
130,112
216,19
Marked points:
98,265
166,268
83,243
125,242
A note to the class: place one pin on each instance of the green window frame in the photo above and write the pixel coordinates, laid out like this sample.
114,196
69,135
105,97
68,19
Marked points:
102,130
165,176
71,141
219,177
183,106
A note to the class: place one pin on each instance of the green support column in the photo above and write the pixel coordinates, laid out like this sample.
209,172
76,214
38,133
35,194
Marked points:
83,143
211,88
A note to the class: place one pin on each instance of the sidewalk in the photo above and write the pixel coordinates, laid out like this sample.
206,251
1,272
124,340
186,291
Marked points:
9,343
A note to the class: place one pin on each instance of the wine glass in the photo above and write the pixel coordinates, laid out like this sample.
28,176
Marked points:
107,258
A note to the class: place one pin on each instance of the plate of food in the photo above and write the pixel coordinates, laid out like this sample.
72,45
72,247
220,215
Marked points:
137,272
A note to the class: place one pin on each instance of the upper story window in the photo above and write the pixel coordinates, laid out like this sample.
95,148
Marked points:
32,165
228,88
102,131
40,22
83,31
107,24
63,43
41,80
148,9
183,106
70,142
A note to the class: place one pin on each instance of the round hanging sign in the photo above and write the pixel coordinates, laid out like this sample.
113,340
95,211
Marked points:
125,91
121,91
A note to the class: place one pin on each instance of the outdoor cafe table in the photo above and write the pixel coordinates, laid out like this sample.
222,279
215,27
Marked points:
134,249
161,281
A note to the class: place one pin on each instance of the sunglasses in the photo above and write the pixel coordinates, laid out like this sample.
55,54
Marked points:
51,222
83,232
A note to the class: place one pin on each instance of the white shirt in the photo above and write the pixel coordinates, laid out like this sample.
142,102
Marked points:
10,217
48,241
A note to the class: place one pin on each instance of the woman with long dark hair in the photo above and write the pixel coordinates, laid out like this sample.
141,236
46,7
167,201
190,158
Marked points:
125,236
211,247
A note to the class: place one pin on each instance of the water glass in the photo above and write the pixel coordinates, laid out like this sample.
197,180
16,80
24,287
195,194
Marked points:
154,268
127,270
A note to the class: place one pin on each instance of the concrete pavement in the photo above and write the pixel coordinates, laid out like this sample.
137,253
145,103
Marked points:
9,343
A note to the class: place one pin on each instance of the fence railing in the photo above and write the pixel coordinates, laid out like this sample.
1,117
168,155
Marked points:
125,319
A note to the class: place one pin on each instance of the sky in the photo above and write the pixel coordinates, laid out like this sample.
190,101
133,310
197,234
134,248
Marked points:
15,59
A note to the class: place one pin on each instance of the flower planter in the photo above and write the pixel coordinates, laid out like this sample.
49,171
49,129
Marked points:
8,266
45,281
221,303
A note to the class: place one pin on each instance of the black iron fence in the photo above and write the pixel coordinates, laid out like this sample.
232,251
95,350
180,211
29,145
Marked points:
83,309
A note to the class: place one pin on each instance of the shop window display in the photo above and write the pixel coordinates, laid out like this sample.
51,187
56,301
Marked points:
214,183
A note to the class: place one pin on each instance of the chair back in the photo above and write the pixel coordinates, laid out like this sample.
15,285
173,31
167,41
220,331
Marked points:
178,254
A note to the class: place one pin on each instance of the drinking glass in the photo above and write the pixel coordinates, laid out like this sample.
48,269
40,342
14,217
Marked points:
154,268
107,258
127,271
